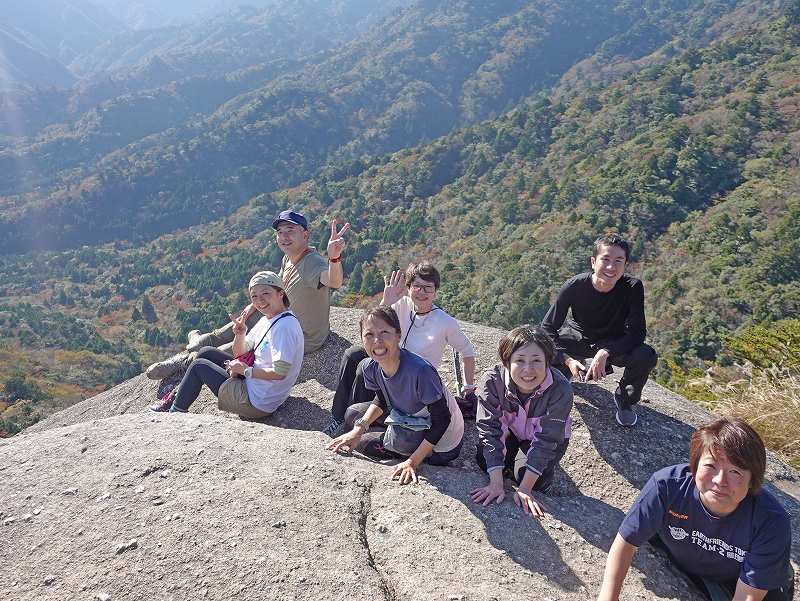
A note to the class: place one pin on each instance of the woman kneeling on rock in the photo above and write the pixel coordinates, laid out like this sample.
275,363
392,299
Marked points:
524,405
423,422
276,342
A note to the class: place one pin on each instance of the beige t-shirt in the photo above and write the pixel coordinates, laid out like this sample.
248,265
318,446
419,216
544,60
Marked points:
310,300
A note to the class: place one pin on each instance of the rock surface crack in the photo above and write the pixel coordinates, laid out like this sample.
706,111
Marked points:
385,584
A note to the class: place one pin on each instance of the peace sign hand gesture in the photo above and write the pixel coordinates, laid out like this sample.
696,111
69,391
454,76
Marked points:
239,325
336,243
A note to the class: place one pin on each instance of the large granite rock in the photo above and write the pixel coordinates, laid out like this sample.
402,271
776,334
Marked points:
221,508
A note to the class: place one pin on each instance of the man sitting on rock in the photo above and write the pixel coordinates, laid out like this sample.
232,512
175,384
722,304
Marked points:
727,534
607,325
308,279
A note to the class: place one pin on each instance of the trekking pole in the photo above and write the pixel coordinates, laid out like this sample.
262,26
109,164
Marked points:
457,371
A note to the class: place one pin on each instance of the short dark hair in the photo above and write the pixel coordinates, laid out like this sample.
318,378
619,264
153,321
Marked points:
425,271
522,336
286,301
612,240
382,312
738,441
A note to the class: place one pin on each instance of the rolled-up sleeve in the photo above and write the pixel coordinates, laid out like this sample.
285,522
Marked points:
458,340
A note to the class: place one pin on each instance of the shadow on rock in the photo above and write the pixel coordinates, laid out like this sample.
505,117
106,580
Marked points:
792,506
323,365
297,413
635,453
524,539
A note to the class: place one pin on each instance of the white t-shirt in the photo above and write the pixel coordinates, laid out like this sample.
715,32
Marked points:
428,335
284,342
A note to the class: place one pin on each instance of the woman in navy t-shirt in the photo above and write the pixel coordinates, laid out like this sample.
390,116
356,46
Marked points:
730,536
422,420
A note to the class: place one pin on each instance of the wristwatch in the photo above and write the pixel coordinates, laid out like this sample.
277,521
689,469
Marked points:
361,424
248,372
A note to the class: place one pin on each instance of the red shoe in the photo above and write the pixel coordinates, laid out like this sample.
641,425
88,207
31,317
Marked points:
165,404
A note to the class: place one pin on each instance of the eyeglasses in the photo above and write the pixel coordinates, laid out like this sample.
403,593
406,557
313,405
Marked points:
424,287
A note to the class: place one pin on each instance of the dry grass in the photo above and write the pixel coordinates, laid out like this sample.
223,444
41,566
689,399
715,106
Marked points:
770,402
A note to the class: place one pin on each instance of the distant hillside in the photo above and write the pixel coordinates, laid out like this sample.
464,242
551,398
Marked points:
436,66
690,151
22,65
38,38
238,38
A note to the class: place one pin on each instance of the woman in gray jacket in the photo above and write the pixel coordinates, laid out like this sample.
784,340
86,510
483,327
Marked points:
524,405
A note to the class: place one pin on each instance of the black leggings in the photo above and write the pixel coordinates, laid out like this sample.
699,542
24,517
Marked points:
351,389
513,446
206,369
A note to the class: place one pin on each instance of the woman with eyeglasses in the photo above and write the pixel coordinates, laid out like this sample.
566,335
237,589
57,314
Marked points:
421,421
425,329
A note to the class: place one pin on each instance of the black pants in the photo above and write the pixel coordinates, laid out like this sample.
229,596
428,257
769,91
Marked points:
351,389
372,442
206,369
513,446
638,363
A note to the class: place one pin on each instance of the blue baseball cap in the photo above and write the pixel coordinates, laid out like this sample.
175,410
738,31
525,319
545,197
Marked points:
291,217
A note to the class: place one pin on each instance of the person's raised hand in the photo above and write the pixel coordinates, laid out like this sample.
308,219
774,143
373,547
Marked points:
239,325
336,242
394,287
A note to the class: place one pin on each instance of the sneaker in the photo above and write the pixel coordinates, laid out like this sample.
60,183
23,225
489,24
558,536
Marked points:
192,337
334,428
164,404
164,369
626,416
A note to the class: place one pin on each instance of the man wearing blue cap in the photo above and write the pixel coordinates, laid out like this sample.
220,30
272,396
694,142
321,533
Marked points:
308,279
307,276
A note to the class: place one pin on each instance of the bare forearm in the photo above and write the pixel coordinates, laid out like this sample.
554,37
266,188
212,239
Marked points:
259,373
745,592
335,275
239,345
469,371
373,412
423,450
619,560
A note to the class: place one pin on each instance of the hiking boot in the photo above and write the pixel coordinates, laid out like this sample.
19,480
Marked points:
468,404
192,338
163,405
626,416
334,428
164,369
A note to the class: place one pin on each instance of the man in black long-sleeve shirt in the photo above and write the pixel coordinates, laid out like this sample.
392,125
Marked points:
607,324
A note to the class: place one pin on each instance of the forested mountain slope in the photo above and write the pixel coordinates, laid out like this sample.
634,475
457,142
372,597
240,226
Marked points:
38,39
436,66
692,153
239,38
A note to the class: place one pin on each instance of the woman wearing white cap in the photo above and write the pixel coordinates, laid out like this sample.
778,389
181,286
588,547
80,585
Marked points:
276,342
